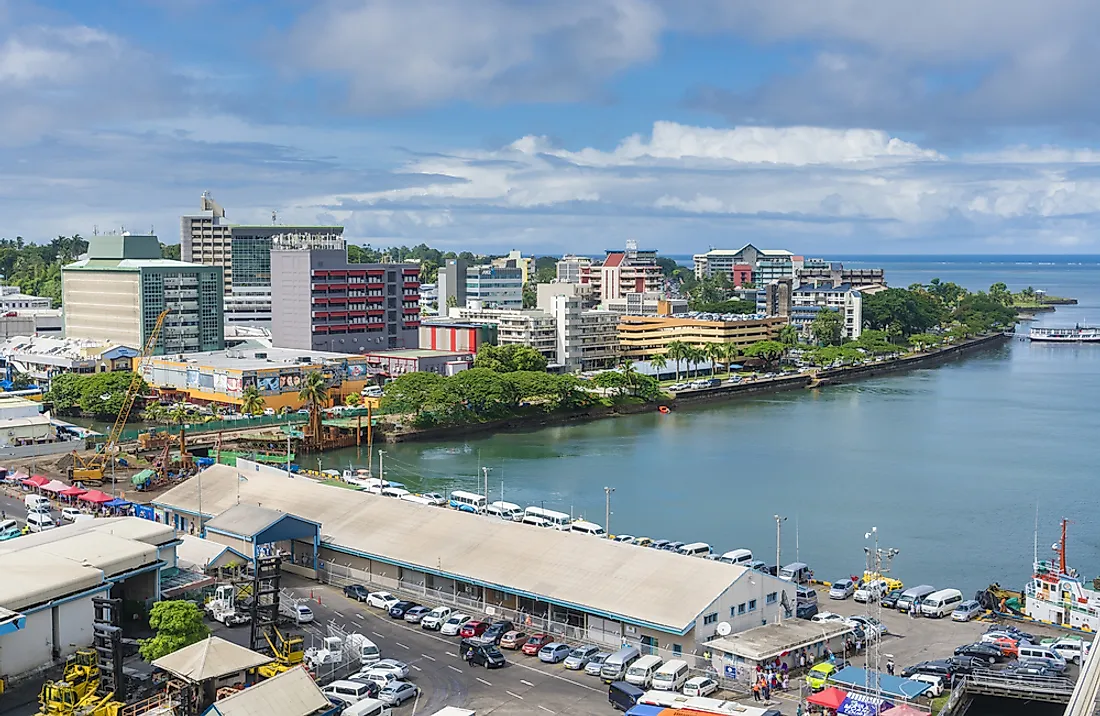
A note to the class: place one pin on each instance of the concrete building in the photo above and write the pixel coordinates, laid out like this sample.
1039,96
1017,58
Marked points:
641,337
414,360
822,271
774,299
581,291
492,287
533,327
737,656
22,422
586,340
595,590
632,270
12,299
44,357
452,284
32,322
116,293
645,304
51,577
202,555
429,299
766,264
442,335
811,298
516,260
574,269
321,302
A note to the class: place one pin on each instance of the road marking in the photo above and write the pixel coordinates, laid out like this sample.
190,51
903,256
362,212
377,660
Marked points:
544,709
525,682
429,658
339,614
516,696
416,667
454,668
360,616
401,645
380,636
483,681
451,653
555,676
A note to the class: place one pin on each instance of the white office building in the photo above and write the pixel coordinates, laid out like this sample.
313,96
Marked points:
767,264
809,299
494,288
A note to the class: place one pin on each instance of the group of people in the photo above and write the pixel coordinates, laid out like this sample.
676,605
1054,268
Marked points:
773,677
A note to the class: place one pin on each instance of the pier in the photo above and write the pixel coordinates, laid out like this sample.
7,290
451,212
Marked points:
990,683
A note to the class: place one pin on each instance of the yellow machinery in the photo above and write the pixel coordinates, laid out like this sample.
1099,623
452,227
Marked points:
59,698
91,469
287,651
82,667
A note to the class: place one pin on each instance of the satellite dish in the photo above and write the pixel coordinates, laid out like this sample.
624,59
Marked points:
724,629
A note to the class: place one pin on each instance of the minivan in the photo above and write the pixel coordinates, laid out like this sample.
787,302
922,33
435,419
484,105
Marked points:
614,668
1072,649
1040,651
941,603
671,676
737,556
806,595
913,596
36,503
350,692
641,671
367,707
624,696
587,528
505,510
40,521
797,572
695,549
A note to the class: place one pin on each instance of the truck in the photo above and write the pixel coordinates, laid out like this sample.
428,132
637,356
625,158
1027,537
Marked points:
223,607
331,653
364,648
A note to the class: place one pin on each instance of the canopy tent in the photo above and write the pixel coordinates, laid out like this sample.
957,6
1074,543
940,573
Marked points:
894,687
830,698
55,486
36,481
117,502
906,710
862,705
96,496
73,491
17,476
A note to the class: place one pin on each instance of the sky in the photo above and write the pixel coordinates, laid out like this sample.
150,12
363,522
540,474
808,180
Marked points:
552,126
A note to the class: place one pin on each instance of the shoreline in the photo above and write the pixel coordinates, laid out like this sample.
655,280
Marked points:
823,378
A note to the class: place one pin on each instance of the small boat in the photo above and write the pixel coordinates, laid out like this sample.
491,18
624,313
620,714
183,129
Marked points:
1076,334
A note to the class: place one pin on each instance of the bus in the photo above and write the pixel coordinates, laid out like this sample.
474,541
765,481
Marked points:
468,502
557,520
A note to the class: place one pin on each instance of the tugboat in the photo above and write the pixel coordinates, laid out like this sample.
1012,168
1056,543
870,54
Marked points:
1056,594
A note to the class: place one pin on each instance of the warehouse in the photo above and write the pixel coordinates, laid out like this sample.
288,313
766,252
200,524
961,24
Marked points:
614,592
50,579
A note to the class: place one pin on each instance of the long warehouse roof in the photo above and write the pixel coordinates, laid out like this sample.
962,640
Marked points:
637,585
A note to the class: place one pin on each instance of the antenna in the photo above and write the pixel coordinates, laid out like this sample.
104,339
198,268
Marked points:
1035,558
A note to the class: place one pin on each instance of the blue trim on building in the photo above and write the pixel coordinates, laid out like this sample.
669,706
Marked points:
71,598
14,624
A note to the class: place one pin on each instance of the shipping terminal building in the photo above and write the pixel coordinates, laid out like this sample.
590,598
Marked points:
587,588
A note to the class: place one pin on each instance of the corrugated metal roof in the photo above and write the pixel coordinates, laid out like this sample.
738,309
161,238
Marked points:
245,520
209,659
32,577
771,640
291,693
201,552
634,584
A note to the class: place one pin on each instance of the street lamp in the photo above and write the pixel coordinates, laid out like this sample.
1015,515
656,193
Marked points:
778,542
607,511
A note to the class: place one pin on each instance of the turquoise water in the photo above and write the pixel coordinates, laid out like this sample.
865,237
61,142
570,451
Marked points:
948,463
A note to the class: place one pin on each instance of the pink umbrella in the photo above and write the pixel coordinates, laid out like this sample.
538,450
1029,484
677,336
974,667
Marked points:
96,496
36,481
54,486
73,492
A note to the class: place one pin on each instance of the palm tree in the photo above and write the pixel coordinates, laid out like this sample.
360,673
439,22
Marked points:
352,400
716,352
179,413
252,403
695,356
314,393
677,351
659,363
729,355
788,335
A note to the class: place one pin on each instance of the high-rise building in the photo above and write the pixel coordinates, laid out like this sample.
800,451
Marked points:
492,287
574,269
586,340
117,292
809,299
834,272
515,259
632,270
531,327
774,299
321,302
452,285
767,264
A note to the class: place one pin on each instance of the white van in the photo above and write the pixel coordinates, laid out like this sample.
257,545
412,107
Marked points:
397,492
505,511
1073,649
943,602
535,521
615,666
695,549
587,528
350,692
40,521
468,502
1039,651
557,520
671,676
367,707
640,673
368,651
737,556
36,503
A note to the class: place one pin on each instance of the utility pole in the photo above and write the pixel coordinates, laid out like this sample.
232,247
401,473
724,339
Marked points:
287,443
879,561
778,564
485,471
381,469
607,512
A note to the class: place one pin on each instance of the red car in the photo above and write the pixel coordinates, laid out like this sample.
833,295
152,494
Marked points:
536,642
1008,647
472,629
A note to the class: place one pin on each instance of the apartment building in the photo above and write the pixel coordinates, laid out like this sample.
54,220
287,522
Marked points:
515,259
774,299
766,265
586,340
632,270
12,299
117,292
809,299
641,337
834,272
493,287
321,302
645,304
533,328
574,269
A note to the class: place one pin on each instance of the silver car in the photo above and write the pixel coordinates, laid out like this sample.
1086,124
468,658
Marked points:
396,693
579,657
592,668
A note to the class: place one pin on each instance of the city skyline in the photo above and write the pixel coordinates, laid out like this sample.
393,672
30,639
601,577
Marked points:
830,129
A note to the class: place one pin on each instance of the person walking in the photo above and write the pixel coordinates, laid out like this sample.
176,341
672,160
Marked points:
767,693
890,667
756,691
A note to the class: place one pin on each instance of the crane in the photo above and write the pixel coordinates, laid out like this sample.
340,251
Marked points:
91,469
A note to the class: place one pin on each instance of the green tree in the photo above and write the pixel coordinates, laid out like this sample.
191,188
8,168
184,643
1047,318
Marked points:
314,393
530,295
611,380
920,341
695,356
828,327
102,394
64,393
659,363
177,624
730,353
902,311
352,400
788,335
999,292
567,389
452,301
509,357
716,353
768,351
252,403
481,390
983,312
412,392
677,351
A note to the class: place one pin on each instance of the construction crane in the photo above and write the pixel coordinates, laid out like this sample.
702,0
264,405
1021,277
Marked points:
92,469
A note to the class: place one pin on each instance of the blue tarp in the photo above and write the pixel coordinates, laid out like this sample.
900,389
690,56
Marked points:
892,686
117,502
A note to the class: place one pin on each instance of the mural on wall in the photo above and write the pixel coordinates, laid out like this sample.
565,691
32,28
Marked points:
206,380
233,384
247,382
356,371
192,378
220,383
268,384
290,381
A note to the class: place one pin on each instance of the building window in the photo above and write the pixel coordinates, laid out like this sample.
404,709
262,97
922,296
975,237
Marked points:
752,605
710,618
741,608
772,598
677,650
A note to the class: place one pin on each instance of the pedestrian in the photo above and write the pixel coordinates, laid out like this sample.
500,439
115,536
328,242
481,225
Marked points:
798,711
756,691
767,693
802,660
890,667
784,668
859,644
786,682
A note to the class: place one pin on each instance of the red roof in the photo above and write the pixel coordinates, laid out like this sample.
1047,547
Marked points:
830,698
96,496
73,491
36,481
614,258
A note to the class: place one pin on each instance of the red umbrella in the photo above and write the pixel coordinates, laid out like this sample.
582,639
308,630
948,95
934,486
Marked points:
36,481
73,491
830,698
96,496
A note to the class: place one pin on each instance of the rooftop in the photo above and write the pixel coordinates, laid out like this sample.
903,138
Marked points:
771,640
244,357
61,348
246,520
421,352
613,579
198,552
209,659
809,287
89,264
291,693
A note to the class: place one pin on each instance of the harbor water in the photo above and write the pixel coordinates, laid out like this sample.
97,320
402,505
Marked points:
949,463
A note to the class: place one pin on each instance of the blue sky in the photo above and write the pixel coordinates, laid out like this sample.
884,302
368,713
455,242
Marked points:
822,126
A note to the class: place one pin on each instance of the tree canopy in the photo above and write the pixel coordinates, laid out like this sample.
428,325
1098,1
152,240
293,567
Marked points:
901,311
177,624
828,327
508,358
96,394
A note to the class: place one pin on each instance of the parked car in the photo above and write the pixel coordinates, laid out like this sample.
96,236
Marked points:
396,693
822,617
592,668
496,631
871,591
398,611
1072,649
1056,666
890,600
700,686
513,639
870,625
1009,647
1013,631
381,600
983,651
380,679
435,498
454,624
673,546
415,614
435,619
580,656
939,667
484,654
357,592
935,682
966,611
806,611
842,589
1028,670
472,628
554,652
69,514
535,643
966,664
993,636
819,674
399,669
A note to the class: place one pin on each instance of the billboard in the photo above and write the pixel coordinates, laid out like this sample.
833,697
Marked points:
233,384
268,384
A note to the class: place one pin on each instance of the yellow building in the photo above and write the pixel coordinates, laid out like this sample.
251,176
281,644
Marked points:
641,337
222,377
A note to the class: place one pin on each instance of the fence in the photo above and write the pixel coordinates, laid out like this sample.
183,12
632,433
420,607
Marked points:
41,449
256,421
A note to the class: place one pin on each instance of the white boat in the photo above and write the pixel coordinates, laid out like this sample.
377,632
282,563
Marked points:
1076,334
1056,594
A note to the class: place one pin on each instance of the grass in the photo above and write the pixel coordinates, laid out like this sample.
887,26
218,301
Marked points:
939,703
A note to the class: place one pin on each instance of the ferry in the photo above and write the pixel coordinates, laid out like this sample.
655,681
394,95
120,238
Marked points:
1077,334
1057,595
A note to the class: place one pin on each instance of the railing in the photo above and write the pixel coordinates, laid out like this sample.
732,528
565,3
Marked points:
1042,688
216,425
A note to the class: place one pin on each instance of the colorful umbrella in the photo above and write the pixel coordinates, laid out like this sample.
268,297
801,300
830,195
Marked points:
96,496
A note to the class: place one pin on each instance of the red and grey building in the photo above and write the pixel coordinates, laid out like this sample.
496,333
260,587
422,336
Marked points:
321,302
456,336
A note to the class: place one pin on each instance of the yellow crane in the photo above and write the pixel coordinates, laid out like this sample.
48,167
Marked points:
91,469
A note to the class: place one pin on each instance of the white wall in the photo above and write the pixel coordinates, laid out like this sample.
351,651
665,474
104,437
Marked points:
751,585
32,647
75,625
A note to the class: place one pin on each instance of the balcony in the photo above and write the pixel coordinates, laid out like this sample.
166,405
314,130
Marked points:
375,285
412,284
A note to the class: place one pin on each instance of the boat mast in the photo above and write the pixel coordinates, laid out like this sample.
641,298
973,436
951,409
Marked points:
1062,549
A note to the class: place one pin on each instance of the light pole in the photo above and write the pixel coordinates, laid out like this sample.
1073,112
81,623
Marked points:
778,565
485,472
878,563
607,511
381,470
